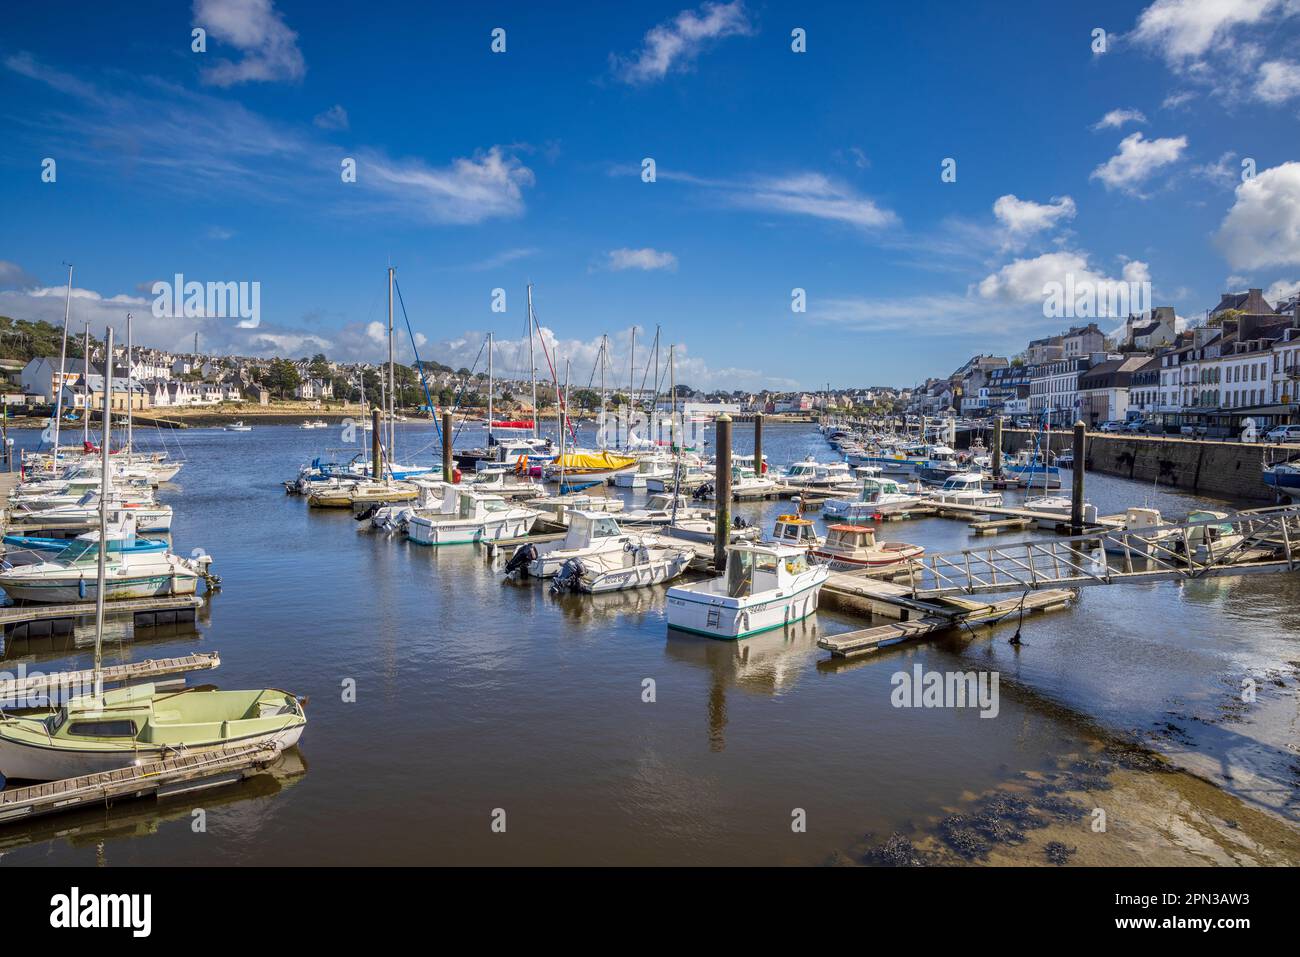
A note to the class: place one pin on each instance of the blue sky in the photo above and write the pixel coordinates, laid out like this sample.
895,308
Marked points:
776,170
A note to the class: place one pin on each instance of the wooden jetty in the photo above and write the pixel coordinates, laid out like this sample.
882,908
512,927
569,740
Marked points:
958,614
995,526
191,771
30,686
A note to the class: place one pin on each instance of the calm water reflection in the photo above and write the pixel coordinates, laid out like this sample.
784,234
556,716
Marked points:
474,693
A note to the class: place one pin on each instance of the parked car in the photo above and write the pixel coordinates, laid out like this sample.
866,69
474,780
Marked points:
1195,431
1137,427
1023,423
1283,433
1110,426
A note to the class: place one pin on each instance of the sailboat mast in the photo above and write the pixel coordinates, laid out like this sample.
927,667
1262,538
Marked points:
392,380
489,438
631,377
104,482
85,362
58,389
532,362
130,439
654,403
604,360
672,384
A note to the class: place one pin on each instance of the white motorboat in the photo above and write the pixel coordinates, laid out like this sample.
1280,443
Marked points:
649,466
879,496
702,530
795,530
70,575
659,510
149,517
764,587
965,488
470,516
589,534
238,427
637,565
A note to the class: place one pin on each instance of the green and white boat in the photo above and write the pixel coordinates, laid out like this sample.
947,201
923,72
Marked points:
139,724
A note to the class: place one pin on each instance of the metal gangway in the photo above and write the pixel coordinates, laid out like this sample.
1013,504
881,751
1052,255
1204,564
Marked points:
1243,543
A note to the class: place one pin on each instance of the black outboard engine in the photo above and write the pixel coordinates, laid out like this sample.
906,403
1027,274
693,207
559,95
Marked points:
523,556
566,579
366,513
705,491
739,522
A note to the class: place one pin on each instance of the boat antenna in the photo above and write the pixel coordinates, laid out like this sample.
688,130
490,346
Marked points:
104,483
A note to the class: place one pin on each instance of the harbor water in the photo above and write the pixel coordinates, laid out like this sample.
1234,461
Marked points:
458,717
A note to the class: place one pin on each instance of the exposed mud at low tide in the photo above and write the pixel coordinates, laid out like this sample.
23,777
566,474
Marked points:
1115,805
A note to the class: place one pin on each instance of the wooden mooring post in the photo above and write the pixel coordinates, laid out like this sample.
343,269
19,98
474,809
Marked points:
722,493
758,444
1076,475
446,445
997,448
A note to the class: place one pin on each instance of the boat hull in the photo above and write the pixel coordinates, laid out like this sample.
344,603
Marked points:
701,614
28,762
635,576
144,586
424,532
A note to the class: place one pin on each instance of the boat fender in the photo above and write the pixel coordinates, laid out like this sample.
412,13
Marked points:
81,588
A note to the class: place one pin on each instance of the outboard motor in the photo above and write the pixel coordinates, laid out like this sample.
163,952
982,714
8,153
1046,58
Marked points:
739,522
367,513
566,579
705,491
523,556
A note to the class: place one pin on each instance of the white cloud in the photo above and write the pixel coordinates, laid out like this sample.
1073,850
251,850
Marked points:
643,259
1281,290
674,45
335,118
1278,82
255,28
1262,229
1023,217
13,276
1223,172
1181,30
1177,99
1137,160
1117,118
1023,280
489,185
812,194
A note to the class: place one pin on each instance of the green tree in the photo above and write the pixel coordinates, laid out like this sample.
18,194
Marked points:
282,377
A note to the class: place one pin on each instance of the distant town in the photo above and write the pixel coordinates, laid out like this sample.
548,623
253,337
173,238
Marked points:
1239,367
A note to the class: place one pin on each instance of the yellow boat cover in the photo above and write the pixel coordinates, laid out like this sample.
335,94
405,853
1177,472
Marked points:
593,461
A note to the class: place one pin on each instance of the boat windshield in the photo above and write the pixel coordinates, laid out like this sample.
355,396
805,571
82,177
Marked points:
604,528
740,574
78,551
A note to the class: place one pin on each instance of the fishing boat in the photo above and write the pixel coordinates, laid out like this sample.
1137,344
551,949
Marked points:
939,466
803,472
764,587
238,427
1027,468
1151,540
855,546
317,424
795,530
470,516
121,538
965,488
396,516
588,534
637,565
879,496
1211,538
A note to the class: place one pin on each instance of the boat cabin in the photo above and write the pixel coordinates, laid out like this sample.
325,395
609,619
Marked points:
589,528
753,567
964,482
793,530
